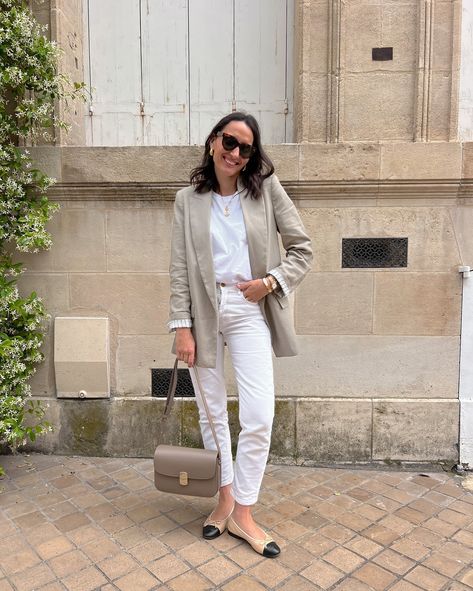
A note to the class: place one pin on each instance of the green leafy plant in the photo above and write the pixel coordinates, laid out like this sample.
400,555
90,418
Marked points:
30,86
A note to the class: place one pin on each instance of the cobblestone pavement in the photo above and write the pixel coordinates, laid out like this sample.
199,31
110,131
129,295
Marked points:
82,523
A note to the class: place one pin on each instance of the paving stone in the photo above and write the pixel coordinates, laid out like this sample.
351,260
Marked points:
167,567
394,562
219,569
71,521
443,564
322,574
189,581
139,579
68,563
85,580
426,578
374,576
343,559
243,583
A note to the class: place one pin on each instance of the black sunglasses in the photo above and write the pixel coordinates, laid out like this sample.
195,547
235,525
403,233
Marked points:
229,142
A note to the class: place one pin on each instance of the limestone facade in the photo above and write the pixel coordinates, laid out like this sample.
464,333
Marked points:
376,155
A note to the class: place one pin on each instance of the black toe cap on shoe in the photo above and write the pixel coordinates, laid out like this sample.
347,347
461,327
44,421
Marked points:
271,550
210,532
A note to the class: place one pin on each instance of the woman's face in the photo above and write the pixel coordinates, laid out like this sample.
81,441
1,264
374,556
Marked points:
229,163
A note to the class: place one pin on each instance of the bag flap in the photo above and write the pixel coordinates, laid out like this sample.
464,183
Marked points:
170,460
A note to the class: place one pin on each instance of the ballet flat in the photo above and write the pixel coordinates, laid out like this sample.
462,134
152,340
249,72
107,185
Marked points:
266,546
213,528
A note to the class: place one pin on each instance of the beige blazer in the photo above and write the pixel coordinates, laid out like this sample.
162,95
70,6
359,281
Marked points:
193,285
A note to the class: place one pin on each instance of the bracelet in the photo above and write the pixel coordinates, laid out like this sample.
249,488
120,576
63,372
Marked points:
272,281
267,284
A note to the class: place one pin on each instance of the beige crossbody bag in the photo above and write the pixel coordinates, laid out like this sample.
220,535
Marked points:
187,470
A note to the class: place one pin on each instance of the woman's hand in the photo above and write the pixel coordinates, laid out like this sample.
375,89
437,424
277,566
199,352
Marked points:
185,346
253,290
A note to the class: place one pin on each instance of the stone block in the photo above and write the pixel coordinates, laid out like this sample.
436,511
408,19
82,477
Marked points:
358,366
441,107
82,357
136,427
430,232
283,438
316,31
467,160
285,158
334,430
339,303
442,36
138,301
47,443
78,243
139,239
324,226
356,41
53,289
417,303
400,31
317,91
432,245
143,164
84,427
422,431
136,355
421,161
43,382
462,217
339,161
47,159
386,96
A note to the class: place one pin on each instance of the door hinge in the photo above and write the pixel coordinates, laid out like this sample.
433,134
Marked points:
234,106
91,110
286,107
142,109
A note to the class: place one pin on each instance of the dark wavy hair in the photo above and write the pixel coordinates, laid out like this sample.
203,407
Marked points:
258,167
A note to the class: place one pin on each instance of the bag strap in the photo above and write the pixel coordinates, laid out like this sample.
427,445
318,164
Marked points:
170,400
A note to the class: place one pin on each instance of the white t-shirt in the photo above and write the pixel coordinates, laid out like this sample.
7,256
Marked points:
229,242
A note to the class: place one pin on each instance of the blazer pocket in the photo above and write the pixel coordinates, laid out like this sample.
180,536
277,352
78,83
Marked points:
283,302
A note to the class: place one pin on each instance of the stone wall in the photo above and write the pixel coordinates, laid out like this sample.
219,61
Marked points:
377,376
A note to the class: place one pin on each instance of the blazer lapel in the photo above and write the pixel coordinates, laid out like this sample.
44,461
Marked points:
200,227
254,215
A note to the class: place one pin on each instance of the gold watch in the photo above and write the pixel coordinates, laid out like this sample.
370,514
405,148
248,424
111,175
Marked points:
272,281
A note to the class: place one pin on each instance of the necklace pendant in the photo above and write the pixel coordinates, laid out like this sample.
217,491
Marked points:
226,211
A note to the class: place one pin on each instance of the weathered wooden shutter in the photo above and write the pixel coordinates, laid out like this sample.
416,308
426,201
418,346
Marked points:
115,72
163,73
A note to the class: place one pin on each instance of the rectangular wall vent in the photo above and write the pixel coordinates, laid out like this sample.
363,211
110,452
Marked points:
381,54
374,252
160,378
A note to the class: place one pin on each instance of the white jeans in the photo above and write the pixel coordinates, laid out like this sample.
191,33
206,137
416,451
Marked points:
244,330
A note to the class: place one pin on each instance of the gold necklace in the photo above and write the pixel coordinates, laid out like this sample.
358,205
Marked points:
226,210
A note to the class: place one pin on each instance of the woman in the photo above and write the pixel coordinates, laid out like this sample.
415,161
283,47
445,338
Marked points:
229,287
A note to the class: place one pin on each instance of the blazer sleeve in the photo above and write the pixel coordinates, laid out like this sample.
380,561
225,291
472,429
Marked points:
295,240
180,300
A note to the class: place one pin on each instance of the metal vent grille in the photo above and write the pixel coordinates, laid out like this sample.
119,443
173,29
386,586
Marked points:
160,378
374,252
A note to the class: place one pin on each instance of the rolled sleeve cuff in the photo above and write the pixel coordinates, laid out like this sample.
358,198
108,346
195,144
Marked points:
180,323
280,279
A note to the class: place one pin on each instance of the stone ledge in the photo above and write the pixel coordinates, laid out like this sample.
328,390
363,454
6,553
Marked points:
305,430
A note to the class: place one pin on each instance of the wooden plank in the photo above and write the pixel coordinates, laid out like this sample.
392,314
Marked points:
260,64
165,72
211,64
114,45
